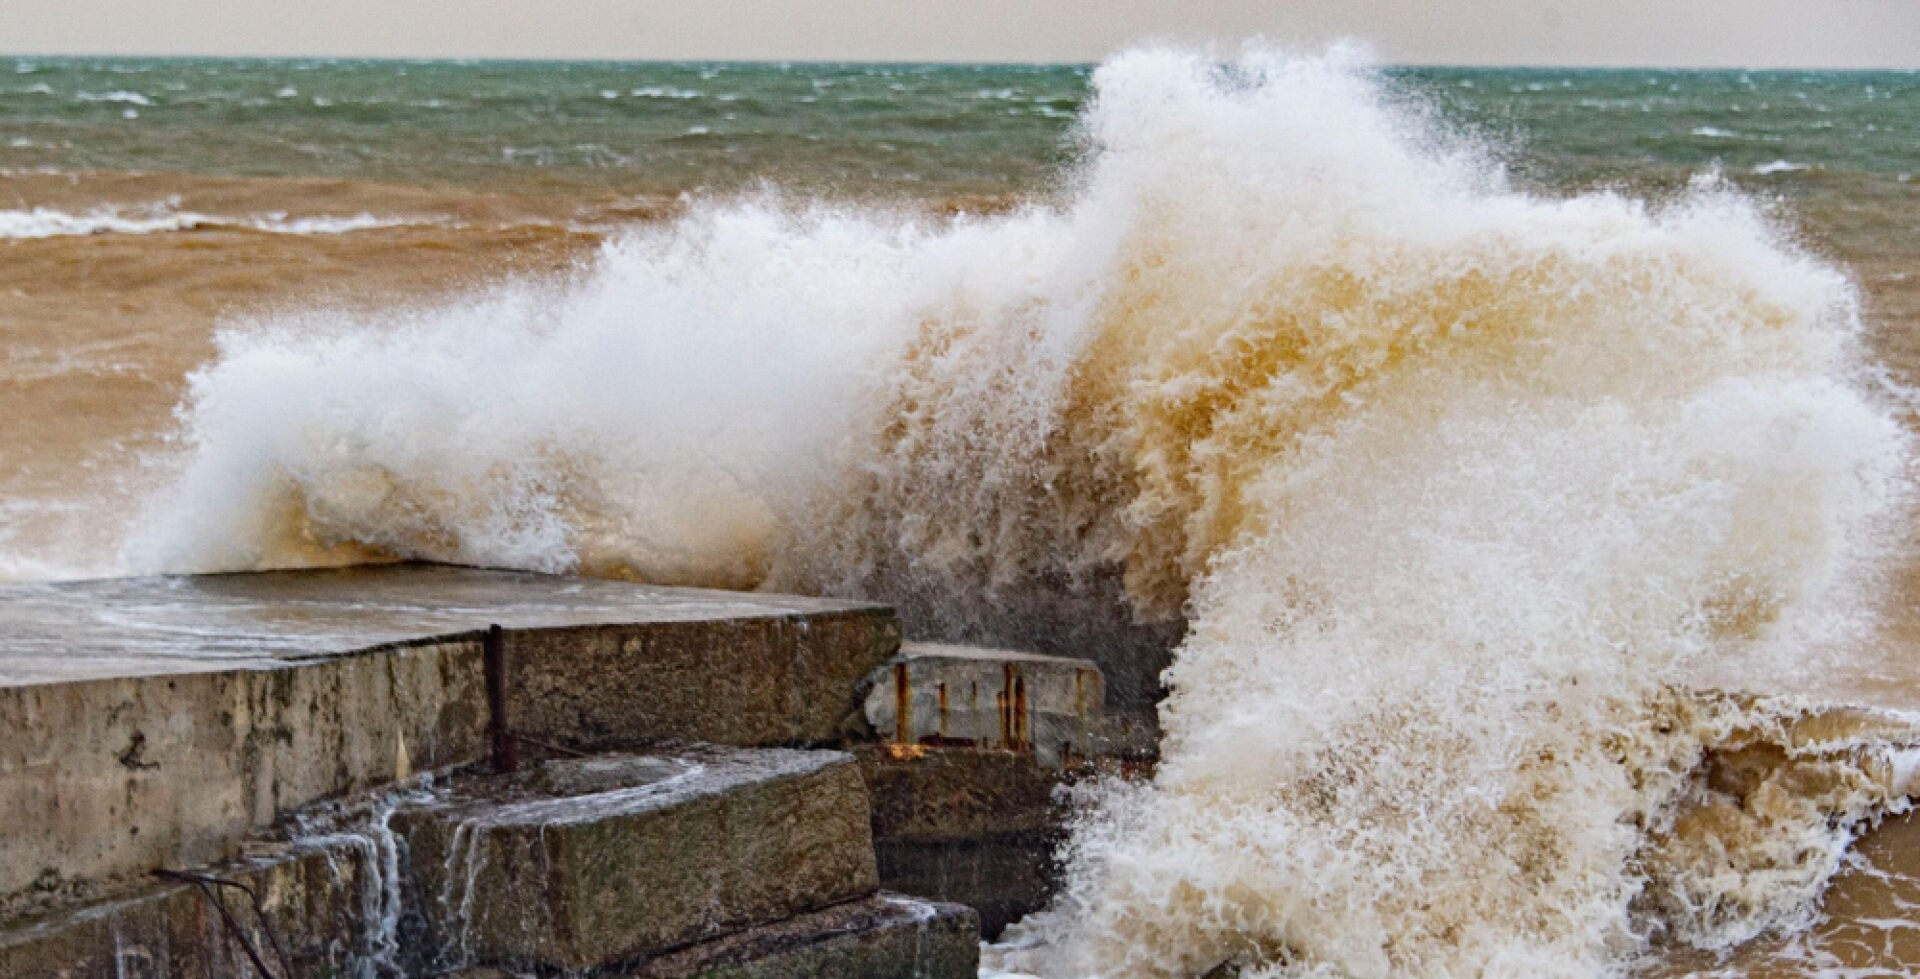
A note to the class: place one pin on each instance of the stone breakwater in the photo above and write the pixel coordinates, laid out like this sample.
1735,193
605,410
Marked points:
298,774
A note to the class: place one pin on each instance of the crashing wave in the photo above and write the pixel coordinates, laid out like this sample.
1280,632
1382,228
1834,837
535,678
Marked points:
1459,489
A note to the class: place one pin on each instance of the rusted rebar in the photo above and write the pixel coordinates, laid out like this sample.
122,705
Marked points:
505,755
902,705
205,886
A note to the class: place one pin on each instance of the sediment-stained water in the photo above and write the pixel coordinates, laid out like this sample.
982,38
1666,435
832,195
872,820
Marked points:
1530,452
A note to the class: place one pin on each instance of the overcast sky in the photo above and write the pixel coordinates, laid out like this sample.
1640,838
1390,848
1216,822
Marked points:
1745,33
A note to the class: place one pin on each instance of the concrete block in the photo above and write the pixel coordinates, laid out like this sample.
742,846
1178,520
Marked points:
957,794
887,936
975,827
749,681
1087,617
1003,878
120,775
160,721
583,863
949,696
316,901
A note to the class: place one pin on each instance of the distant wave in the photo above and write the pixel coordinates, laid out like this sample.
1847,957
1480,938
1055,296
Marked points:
131,98
1780,166
665,92
43,222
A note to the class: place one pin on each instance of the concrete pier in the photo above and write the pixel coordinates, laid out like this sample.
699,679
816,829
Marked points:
708,784
158,722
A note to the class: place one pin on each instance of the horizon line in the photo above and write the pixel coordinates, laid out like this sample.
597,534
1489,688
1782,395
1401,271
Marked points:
907,62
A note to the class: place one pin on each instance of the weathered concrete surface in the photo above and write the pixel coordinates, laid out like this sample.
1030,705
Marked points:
887,936
654,851
975,743
117,776
975,827
151,722
130,627
1004,878
957,794
1088,617
760,680
965,696
314,899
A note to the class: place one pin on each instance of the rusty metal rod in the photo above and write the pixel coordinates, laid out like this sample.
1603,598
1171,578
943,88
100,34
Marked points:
493,660
205,886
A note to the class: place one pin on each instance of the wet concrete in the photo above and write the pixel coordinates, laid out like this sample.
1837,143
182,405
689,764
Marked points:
159,722
314,900
128,627
972,826
942,695
583,863
887,936
169,721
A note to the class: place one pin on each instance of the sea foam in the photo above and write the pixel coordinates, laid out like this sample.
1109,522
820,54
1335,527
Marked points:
1464,493
46,222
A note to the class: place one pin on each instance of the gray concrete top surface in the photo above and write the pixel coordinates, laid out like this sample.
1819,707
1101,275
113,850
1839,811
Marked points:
129,627
940,650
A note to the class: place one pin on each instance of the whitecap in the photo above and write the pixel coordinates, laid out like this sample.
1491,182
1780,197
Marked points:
132,98
44,222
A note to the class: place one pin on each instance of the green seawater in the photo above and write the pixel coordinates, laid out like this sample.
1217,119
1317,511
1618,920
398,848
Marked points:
859,130
1833,154
830,129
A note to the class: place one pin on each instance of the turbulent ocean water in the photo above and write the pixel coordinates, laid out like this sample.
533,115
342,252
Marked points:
1529,453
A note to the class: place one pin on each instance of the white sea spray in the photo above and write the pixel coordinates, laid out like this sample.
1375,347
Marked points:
1461,489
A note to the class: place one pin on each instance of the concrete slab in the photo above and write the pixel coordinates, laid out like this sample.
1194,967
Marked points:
975,740
976,827
887,936
316,904
159,721
118,776
957,793
967,696
1002,878
129,627
583,863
